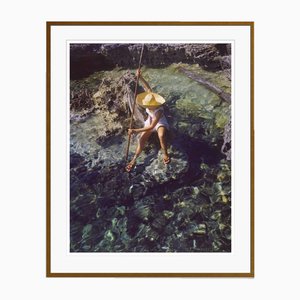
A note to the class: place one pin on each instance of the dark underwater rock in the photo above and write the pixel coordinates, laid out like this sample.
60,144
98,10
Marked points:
137,190
75,160
142,211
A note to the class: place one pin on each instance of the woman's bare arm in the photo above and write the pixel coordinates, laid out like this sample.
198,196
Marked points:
145,84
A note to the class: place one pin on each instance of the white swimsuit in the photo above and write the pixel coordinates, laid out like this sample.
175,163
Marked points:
162,121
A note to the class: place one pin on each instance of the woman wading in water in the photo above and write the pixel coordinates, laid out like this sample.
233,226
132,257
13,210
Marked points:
156,121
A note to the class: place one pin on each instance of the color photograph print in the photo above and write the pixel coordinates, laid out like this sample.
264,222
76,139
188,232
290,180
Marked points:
150,173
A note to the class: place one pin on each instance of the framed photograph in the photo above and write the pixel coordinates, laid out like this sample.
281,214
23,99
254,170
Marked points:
150,149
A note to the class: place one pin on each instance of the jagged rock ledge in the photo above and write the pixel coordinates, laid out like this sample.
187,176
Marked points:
89,58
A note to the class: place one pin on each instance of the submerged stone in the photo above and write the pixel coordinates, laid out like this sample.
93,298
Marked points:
159,222
142,212
137,190
168,214
86,230
200,229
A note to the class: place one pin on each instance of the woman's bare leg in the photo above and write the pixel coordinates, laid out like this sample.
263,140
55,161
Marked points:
141,144
161,131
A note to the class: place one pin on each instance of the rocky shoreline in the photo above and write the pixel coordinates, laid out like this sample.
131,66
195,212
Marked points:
89,58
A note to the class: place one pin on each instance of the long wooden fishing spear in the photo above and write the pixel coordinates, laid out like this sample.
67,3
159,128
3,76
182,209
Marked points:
134,103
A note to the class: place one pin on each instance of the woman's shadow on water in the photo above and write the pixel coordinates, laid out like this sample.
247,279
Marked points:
197,150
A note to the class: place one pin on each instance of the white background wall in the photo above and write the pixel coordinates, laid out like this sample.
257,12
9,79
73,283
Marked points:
22,213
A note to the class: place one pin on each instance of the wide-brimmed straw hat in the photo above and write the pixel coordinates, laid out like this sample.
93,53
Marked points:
149,99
